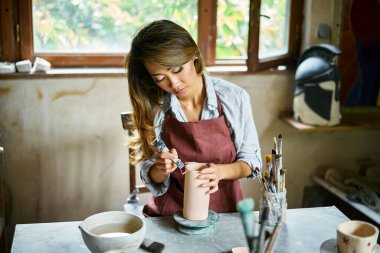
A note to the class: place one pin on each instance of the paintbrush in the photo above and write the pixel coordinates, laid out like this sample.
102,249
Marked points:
280,144
261,237
152,246
161,147
273,237
275,147
245,208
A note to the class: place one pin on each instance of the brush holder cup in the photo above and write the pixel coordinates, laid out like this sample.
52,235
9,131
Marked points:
277,205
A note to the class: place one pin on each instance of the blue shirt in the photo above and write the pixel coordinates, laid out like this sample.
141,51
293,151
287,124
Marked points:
237,110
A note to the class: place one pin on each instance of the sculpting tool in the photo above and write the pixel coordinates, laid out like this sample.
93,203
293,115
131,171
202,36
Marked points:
161,147
245,208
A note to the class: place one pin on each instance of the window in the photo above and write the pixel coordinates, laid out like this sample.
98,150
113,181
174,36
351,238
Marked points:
98,32
101,26
232,29
274,28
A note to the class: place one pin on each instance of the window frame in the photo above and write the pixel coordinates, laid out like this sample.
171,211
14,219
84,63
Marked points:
17,38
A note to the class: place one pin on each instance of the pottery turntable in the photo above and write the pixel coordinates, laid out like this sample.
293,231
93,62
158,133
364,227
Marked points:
196,227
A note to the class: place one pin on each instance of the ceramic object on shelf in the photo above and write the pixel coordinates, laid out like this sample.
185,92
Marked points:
41,65
7,67
24,66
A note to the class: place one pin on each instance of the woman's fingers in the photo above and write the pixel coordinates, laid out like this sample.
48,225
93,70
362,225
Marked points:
165,163
174,153
168,166
210,173
212,185
167,155
213,189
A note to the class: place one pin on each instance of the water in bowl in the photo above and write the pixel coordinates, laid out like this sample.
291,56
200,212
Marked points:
113,230
117,234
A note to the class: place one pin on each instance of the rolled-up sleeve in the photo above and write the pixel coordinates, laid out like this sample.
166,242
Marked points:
246,139
155,189
238,111
145,165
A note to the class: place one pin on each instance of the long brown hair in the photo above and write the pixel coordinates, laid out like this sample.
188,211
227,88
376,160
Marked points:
169,45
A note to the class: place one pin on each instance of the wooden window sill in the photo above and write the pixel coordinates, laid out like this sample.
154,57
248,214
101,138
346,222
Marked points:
353,119
121,72
68,73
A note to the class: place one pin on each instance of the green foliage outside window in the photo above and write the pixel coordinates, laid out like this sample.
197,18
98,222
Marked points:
103,26
233,20
107,26
232,29
273,30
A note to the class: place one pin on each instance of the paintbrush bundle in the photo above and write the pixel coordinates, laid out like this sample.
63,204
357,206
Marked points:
272,178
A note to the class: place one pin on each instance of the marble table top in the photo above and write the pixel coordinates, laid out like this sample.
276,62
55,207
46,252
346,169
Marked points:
304,230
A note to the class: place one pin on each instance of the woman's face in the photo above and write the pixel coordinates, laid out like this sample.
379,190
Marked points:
182,81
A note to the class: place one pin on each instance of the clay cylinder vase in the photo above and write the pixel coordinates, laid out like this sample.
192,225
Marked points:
196,198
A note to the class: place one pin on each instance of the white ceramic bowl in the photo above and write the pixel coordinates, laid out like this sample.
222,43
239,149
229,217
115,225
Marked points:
113,232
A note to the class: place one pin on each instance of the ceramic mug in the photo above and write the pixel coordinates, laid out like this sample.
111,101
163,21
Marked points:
357,236
196,198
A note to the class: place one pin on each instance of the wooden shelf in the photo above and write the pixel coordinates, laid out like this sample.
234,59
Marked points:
353,119
366,211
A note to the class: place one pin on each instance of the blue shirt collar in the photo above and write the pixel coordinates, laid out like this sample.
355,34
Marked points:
211,100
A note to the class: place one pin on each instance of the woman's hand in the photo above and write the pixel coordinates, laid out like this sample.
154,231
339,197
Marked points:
215,172
164,165
212,173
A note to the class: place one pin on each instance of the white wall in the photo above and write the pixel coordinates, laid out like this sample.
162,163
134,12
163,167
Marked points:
317,12
64,144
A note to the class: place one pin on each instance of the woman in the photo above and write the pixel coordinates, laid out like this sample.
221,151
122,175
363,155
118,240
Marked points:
199,118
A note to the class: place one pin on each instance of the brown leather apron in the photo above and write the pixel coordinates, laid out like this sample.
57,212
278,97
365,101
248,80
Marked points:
205,141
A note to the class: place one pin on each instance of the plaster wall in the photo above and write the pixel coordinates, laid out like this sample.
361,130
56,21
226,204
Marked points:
321,12
65,155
